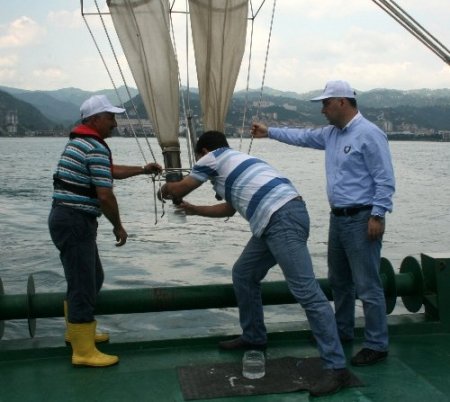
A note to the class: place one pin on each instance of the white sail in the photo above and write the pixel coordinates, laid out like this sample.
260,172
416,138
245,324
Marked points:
219,32
143,29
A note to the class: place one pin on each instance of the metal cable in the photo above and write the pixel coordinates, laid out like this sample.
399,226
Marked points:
118,94
248,83
265,68
114,85
417,30
183,105
126,86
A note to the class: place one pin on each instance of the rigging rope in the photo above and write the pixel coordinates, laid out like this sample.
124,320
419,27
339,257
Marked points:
265,68
248,82
244,118
125,83
417,30
120,99
189,136
113,83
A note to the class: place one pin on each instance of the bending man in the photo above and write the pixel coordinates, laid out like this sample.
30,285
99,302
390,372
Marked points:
279,223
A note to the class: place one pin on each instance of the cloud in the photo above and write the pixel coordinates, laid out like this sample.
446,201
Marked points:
8,68
49,73
21,32
7,75
8,61
66,19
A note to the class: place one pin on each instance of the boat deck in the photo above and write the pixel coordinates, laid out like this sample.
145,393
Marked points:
417,369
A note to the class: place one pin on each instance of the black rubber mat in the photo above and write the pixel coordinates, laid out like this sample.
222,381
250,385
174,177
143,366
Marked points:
287,374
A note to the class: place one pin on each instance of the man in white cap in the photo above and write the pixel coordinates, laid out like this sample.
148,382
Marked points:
360,187
83,190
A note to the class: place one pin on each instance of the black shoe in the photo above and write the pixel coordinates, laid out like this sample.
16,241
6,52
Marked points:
330,382
366,357
239,343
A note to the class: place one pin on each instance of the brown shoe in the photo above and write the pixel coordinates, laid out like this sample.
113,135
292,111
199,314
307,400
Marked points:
330,382
367,357
239,343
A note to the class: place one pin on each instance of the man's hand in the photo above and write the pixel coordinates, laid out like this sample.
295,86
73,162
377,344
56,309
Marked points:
121,236
152,168
190,209
375,228
259,130
163,193
176,190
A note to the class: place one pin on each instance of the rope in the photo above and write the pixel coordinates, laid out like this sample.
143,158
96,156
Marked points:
189,144
119,97
417,30
265,69
247,84
113,83
124,82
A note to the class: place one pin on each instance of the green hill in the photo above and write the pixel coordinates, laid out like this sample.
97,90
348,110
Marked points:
29,118
421,110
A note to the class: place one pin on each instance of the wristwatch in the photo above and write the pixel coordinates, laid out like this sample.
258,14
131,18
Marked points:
377,217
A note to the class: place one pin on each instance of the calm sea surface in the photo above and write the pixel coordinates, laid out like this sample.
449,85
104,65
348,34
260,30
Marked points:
201,251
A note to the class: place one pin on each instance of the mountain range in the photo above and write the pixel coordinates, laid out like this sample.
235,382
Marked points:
423,109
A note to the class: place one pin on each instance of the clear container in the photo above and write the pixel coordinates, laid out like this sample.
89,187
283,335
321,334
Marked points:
253,364
176,214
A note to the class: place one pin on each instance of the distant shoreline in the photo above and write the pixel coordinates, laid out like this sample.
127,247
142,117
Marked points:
391,137
419,137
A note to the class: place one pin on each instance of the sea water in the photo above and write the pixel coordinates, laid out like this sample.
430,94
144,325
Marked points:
201,250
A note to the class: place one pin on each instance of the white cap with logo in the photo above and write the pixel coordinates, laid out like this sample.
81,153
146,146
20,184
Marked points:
336,89
98,104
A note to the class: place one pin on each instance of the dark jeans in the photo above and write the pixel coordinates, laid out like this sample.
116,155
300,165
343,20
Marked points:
354,264
285,242
74,233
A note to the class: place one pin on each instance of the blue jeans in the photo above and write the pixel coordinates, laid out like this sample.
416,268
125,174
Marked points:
284,242
74,234
354,264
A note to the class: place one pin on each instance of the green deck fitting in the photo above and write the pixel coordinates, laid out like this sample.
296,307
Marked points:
436,270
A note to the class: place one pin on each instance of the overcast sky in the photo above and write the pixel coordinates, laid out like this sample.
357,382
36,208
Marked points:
45,45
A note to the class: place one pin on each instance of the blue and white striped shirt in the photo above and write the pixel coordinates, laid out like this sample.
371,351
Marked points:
250,185
357,161
84,162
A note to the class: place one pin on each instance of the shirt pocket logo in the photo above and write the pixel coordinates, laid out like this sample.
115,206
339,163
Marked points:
347,149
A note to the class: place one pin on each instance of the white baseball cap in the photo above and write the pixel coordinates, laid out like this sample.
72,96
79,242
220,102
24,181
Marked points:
336,89
98,104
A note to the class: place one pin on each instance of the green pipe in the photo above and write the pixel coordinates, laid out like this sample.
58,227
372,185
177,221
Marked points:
126,301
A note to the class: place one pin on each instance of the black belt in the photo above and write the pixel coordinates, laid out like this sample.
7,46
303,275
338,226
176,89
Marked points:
59,184
350,210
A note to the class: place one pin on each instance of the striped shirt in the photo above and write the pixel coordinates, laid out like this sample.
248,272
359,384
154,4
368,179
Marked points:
85,162
250,185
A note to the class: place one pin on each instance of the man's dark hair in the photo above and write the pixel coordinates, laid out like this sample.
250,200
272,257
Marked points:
211,140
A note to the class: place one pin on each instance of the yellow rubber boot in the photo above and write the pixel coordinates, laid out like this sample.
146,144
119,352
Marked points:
99,337
84,352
